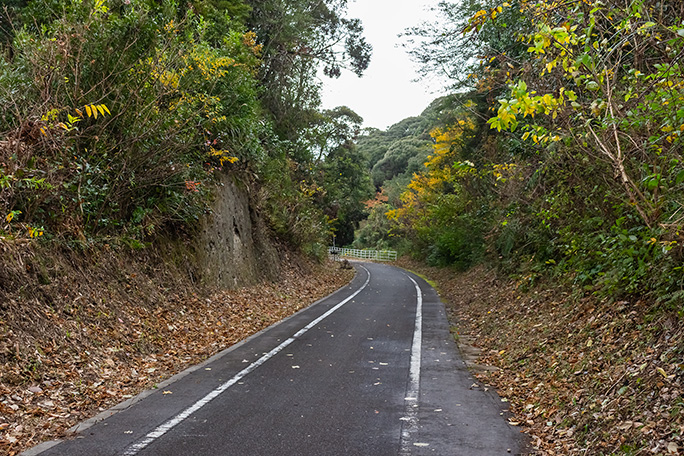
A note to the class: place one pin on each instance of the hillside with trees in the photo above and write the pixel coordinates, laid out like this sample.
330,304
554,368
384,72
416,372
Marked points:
555,164
119,115
559,152
153,153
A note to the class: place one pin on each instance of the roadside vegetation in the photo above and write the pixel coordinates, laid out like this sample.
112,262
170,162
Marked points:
118,116
555,165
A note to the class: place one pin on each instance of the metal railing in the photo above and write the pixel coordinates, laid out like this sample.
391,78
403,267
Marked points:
377,255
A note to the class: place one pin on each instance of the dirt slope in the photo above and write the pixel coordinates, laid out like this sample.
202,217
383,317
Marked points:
81,331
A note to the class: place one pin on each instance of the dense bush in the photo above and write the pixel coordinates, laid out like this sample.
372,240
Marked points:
117,115
115,118
565,158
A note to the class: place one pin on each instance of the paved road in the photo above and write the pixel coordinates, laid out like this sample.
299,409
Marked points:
370,370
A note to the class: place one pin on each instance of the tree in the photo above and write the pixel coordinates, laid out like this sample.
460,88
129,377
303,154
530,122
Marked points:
404,157
332,129
297,38
347,186
442,48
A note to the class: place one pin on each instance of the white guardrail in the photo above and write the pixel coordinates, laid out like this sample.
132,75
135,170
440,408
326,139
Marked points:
377,255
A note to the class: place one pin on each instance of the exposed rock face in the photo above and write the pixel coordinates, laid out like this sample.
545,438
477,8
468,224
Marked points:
234,248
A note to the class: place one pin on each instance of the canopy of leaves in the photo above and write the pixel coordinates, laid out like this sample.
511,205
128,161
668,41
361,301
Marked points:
116,116
575,160
297,38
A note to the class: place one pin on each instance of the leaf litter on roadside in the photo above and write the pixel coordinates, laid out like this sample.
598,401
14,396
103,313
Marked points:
581,376
77,353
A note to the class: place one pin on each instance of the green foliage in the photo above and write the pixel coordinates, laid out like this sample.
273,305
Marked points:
166,101
403,157
459,243
289,206
347,184
298,37
573,164
116,116
375,231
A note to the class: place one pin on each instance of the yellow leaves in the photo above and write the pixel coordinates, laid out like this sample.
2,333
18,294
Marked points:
100,7
443,177
93,110
210,66
476,22
35,232
170,79
548,101
504,172
550,66
392,214
249,40
11,216
160,70
310,189
222,155
444,139
171,27
50,116
507,115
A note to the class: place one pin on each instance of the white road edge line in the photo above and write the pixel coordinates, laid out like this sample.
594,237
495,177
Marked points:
410,419
168,425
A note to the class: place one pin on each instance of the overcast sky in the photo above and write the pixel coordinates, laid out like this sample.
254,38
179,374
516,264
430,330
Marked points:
385,94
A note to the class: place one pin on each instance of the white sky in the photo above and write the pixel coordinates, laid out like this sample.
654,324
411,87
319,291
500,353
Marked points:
385,94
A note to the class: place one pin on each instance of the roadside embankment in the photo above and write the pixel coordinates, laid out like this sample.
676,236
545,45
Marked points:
81,331
583,376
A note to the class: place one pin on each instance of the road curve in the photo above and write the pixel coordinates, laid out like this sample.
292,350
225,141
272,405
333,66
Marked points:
369,370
